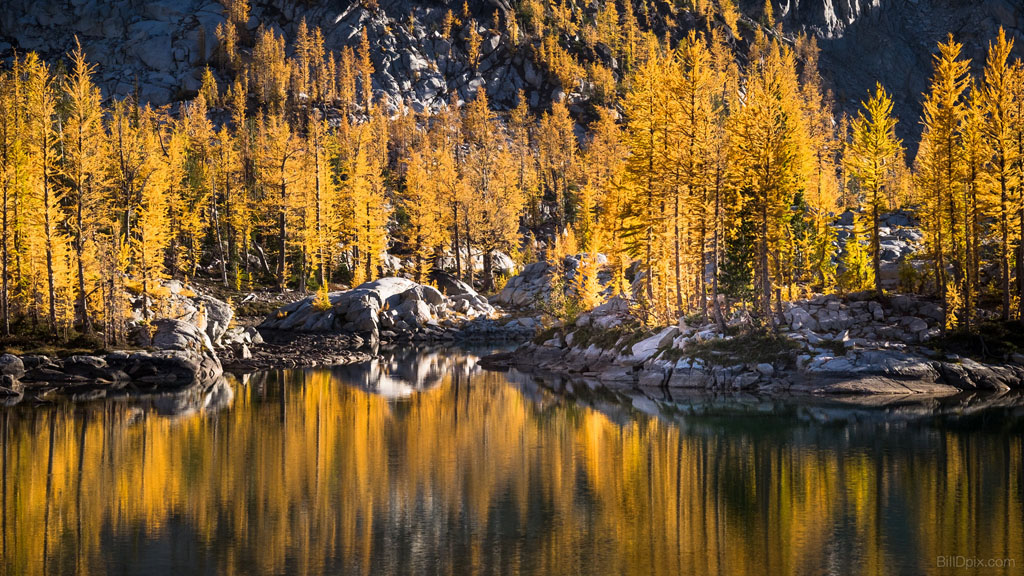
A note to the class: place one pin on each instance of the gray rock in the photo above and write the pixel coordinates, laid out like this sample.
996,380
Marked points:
184,356
644,349
11,365
802,319
218,317
913,324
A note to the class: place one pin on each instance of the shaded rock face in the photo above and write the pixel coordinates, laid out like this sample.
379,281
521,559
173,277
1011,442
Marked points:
165,44
384,309
892,42
161,43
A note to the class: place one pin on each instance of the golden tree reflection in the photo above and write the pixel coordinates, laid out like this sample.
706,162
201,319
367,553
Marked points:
306,474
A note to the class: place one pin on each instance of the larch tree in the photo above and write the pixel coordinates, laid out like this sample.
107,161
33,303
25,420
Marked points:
446,142
724,100
41,101
1018,138
871,157
368,210
605,159
280,156
520,129
185,213
940,169
770,139
558,156
319,155
84,152
585,283
814,258
13,168
858,271
426,214
270,72
1002,169
695,91
497,203
974,199
228,178
200,194
150,241
646,221
365,72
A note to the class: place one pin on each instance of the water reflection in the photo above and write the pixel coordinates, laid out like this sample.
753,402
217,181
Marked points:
425,465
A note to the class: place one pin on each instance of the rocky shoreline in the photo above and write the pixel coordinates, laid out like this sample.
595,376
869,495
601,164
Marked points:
824,346
178,355
197,338
827,345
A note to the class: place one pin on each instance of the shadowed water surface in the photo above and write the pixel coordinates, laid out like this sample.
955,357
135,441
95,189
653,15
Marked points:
423,464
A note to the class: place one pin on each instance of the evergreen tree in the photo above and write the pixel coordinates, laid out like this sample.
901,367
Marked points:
999,101
872,157
940,166
858,272
84,150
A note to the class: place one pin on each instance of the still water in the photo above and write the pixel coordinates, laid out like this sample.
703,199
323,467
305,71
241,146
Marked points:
424,464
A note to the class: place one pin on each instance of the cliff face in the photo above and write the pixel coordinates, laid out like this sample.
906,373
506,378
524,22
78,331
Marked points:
892,42
161,46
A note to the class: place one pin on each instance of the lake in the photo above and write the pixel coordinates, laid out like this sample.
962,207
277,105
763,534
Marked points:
425,464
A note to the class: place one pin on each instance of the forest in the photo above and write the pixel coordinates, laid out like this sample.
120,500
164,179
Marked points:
708,177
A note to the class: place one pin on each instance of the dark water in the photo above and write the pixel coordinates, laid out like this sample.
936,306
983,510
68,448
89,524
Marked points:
426,465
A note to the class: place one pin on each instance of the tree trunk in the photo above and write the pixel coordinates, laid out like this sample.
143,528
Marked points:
48,233
676,250
1004,253
455,244
876,244
1020,268
766,283
719,320
82,301
488,271
470,269
281,229
418,258
228,224
702,288
215,216
321,252
5,302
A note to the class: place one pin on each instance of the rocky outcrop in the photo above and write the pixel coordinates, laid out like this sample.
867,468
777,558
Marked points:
183,354
180,302
388,309
532,286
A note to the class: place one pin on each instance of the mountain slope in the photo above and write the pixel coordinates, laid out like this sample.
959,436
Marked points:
160,47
